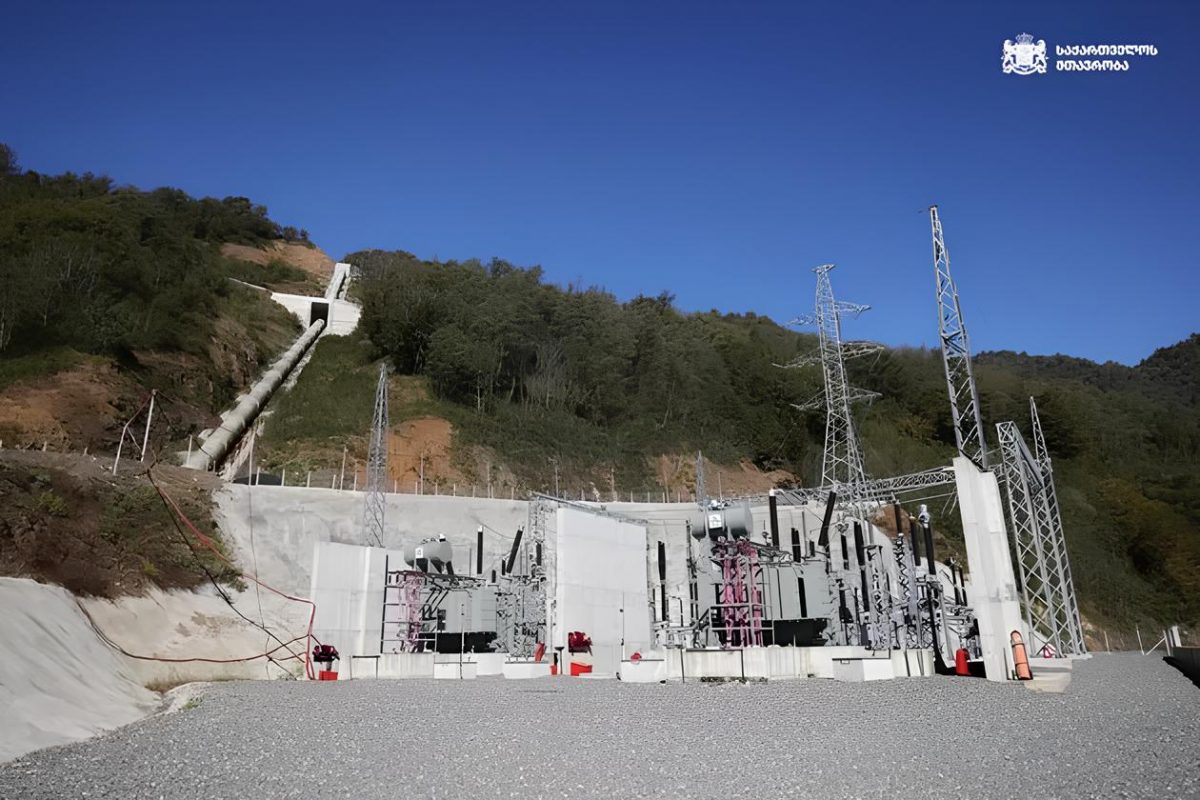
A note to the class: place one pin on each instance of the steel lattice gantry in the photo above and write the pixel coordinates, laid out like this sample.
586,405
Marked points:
842,461
1048,594
874,487
377,464
956,354
1057,537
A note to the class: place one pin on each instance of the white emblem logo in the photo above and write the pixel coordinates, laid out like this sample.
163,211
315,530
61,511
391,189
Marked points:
1024,56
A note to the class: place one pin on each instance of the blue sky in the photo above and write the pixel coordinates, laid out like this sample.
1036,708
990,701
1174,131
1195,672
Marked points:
716,150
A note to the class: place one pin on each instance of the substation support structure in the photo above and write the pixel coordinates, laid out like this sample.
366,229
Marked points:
375,503
521,594
1048,595
956,354
842,460
1047,590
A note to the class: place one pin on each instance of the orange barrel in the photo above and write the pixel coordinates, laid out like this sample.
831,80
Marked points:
1020,659
961,667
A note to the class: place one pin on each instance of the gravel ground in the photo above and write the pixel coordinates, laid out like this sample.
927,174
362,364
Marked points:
1128,726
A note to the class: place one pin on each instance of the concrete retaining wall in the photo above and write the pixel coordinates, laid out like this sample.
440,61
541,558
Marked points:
61,683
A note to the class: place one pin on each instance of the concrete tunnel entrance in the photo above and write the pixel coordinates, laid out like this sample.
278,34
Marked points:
318,311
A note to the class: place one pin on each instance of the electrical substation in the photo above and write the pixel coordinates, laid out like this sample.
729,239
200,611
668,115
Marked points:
839,580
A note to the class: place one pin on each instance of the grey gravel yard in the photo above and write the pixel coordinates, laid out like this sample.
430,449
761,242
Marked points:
1128,726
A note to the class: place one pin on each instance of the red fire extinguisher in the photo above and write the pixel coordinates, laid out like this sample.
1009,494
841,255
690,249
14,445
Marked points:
961,667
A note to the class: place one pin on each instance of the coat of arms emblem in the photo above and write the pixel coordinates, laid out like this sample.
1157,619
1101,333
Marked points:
1024,56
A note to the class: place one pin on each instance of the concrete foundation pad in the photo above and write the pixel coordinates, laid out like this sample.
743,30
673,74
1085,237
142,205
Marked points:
645,670
858,670
488,663
1051,675
405,665
454,670
524,670
912,663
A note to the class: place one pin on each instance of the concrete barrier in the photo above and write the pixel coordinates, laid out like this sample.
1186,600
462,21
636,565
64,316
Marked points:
488,663
770,663
524,670
912,663
857,670
644,670
454,670
405,665
821,659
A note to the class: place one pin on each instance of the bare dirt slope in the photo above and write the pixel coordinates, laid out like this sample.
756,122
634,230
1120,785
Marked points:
678,472
311,259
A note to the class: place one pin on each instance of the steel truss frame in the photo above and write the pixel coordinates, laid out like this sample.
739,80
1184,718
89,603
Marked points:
521,601
956,354
1048,592
375,504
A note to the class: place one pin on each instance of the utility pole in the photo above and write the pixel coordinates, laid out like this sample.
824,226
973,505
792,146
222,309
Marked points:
956,354
375,505
842,461
149,418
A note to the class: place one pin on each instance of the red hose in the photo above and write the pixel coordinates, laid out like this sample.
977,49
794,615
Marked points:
128,654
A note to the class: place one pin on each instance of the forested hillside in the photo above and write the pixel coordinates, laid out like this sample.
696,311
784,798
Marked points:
109,291
544,375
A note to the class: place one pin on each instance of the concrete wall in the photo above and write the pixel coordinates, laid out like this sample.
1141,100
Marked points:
343,315
347,586
600,586
992,587
285,523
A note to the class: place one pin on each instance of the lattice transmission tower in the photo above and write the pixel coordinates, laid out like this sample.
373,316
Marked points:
842,461
956,354
377,464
